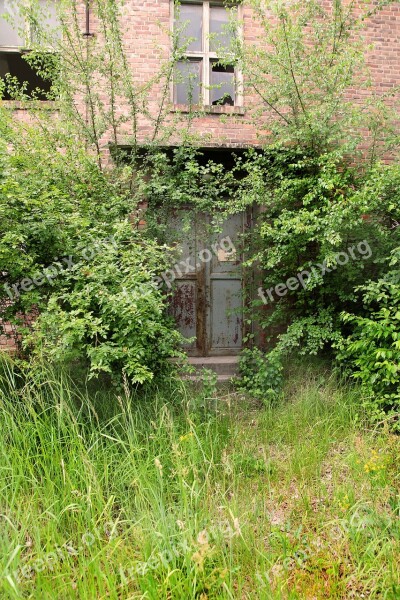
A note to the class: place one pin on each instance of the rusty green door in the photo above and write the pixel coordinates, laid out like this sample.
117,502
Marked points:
207,299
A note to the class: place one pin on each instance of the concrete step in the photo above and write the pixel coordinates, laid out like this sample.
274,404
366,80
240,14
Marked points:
199,377
225,367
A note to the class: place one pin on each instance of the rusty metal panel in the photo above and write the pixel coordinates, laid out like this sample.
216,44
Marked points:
225,310
188,304
183,308
227,258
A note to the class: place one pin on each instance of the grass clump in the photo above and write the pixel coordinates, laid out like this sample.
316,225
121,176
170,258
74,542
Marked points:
171,494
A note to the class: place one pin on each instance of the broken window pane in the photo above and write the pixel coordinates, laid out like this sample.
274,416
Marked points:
190,18
220,34
11,27
187,82
223,78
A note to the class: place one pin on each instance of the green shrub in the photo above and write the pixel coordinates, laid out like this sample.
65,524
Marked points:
325,229
69,250
372,352
261,374
110,312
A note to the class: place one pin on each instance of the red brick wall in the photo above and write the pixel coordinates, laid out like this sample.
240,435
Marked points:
145,25
9,339
144,29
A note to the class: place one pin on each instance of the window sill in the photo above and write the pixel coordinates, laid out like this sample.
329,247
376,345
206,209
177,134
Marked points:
208,109
27,104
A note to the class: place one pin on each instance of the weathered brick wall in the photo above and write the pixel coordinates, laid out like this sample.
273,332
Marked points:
383,31
145,34
9,338
145,25
145,31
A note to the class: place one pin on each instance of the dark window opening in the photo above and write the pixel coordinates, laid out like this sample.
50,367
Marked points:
14,64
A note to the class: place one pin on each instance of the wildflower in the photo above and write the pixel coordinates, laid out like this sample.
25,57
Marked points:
236,526
204,549
186,436
376,463
158,465
344,503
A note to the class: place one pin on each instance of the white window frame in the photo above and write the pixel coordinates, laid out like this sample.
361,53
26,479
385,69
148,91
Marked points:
206,55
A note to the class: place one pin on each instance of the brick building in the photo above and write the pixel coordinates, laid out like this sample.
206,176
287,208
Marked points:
146,29
207,302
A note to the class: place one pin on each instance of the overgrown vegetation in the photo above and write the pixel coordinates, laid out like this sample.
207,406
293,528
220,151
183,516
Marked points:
175,494
372,351
325,230
69,251
329,212
285,490
301,66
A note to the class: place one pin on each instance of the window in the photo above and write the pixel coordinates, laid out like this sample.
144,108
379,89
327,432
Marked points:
204,34
18,33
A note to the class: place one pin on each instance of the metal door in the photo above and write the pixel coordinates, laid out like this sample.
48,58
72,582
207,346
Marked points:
207,298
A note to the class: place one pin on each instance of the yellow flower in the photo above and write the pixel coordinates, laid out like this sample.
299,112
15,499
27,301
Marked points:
344,503
186,436
377,462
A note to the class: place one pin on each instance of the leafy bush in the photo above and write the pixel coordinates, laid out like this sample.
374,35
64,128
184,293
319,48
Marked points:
261,374
372,352
110,312
52,205
325,228
69,250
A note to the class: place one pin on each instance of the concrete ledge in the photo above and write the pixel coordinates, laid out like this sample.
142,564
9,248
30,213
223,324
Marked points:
201,110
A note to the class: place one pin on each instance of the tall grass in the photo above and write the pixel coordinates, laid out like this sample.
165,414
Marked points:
170,494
